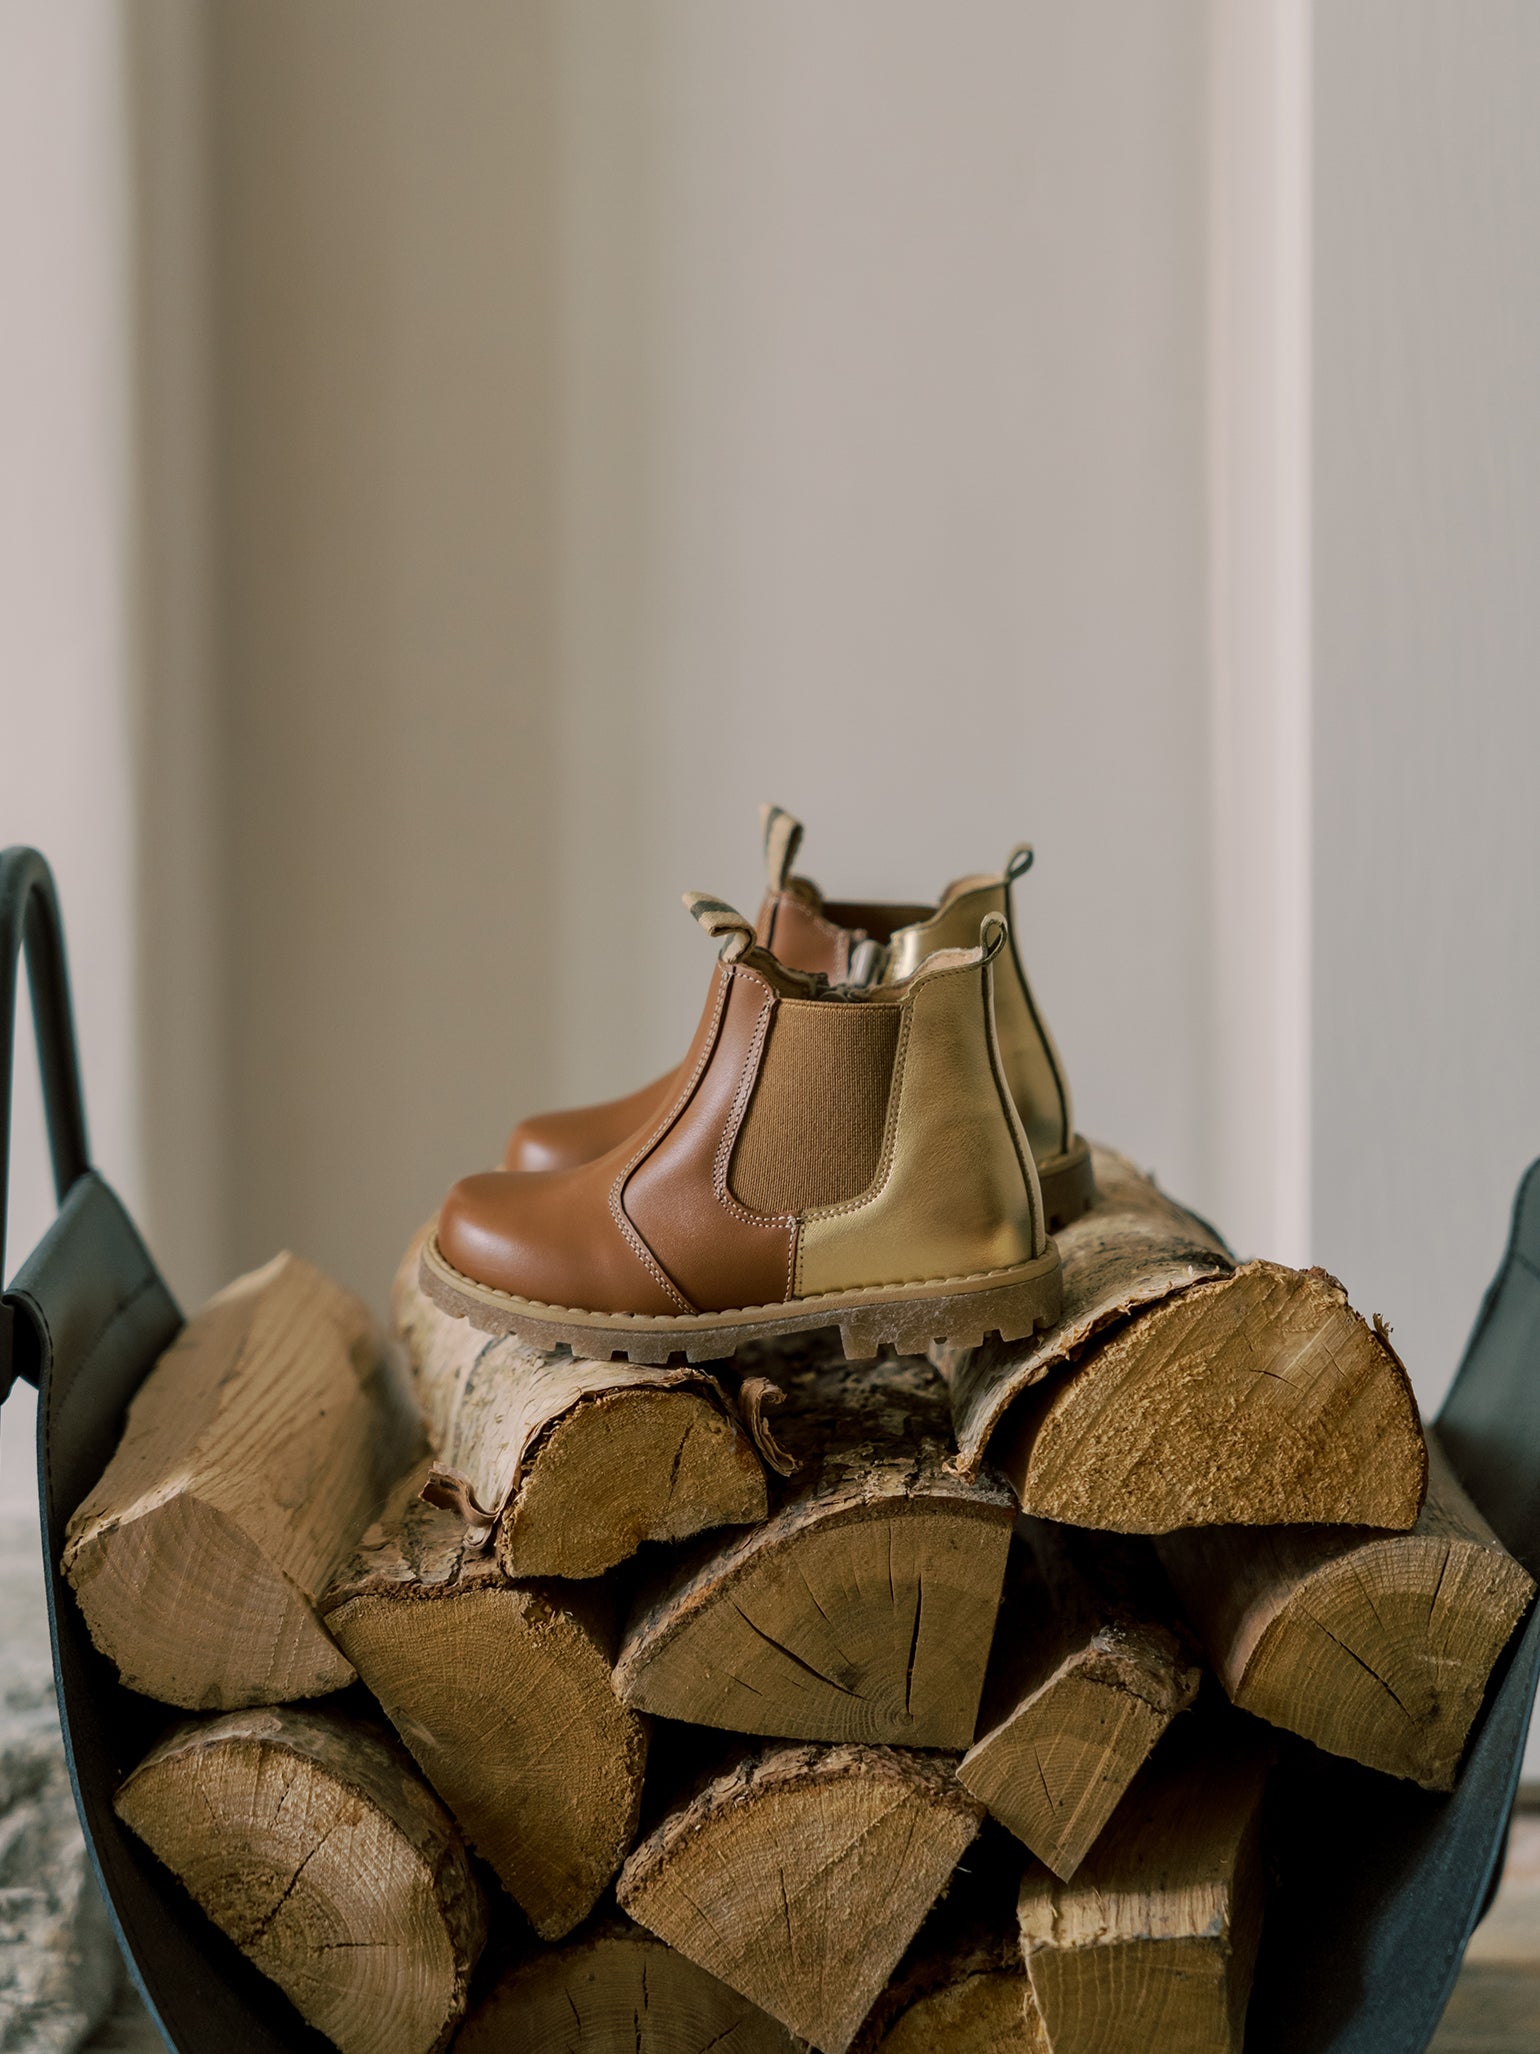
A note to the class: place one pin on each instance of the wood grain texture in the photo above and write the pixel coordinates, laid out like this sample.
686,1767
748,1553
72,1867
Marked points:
615,1988
800,1875
311,1842
1086,1675
575,1463
1376,1646
1133,1248
503,1693
863,1608
1260,1399
1153,1942
258,1449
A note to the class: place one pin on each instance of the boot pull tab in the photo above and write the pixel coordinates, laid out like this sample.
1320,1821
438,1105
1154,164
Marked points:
992,935
783,838
1018,862
719,918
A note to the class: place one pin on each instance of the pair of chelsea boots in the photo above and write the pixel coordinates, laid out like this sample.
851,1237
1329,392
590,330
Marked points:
871,1130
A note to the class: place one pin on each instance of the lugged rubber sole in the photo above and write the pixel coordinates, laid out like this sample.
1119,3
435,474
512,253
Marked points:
1068,1185
1012,1302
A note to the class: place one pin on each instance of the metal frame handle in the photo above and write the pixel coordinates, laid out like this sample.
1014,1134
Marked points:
30,925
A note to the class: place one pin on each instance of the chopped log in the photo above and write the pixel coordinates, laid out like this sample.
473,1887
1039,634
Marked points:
1134,1248
307,1838
503,1693
576,1462
962,1986
1153,1943
258,1449
800,1875
863,1609
617,1989
1257,1399
1375,1646
1086,1676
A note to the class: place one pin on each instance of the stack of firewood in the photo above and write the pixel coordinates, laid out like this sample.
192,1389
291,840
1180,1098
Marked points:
547,1704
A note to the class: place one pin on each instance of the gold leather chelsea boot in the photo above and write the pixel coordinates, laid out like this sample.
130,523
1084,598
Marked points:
850,942
833,1155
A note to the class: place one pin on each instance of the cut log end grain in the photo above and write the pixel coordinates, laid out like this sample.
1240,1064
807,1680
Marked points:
1153,1942
1257,1399
503,1693
616,1989
1087,1674
310,1842
863,1608
577,1462
1376,1646
800,1876
259,1447
1133,1248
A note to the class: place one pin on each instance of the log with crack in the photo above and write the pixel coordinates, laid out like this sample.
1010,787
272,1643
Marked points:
576,1463
798,1876
1377,1646
309,1839
1178,1389
257,1450
1087,1673
863,1607
503,1692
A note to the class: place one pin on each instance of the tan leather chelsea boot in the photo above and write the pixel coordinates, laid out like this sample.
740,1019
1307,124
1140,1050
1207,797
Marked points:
832,1156
850,942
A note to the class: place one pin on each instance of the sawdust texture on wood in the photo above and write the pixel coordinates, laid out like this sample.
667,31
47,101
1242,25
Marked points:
308,1839
1088,1672
503,1693
1257,1399
257,1450
1134,1248
576,1463
800,1875
615,1988
863,1608
1376,1646
1152,1943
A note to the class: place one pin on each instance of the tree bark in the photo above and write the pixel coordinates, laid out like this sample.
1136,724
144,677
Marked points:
1376,1646
503,1693
863,1608
575,1463
1087,1674
308,1839
800,1875
258,1449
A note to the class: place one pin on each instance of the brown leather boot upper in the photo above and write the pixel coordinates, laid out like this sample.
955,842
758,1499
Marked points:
820,1140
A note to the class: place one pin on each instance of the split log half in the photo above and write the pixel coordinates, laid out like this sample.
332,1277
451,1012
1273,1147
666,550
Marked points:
308,1839
1153,1942
1374,1646
576,1462
863,1609
258,1449
1134,1248
962,1986
616,1989
801,1875
1257,1399
1087,1674
503,1693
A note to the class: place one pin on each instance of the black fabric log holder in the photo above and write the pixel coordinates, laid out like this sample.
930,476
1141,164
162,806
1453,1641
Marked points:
1378,1884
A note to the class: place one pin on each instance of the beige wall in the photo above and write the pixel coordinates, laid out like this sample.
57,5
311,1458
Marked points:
624,415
